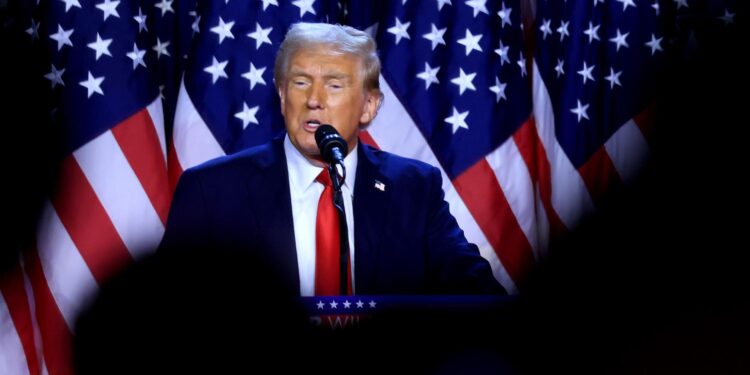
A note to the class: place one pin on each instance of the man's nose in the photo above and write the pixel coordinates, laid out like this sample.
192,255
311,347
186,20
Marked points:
316,97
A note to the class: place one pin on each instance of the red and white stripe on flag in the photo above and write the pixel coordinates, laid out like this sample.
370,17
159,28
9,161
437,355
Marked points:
110,207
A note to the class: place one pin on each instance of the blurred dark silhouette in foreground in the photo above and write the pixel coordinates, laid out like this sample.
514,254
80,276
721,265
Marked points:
224,311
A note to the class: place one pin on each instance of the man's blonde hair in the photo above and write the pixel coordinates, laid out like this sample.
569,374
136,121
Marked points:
341,39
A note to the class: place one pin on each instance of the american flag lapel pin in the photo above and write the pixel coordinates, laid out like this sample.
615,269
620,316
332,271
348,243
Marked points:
379,185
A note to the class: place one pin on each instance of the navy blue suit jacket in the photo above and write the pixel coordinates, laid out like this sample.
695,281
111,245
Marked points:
406,240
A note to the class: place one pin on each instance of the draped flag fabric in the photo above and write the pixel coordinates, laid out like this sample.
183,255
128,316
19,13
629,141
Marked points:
102,63
595,76
530,123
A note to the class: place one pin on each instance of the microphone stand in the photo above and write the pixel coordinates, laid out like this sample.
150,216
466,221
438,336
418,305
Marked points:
338,202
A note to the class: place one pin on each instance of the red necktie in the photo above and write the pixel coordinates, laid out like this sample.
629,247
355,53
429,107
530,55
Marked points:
327,244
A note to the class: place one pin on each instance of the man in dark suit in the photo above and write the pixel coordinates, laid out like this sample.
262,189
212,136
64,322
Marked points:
403,239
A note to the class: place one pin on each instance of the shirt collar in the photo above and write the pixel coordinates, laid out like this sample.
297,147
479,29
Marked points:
302,173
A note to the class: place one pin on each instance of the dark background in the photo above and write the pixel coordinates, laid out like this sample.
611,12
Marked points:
655,282
28,148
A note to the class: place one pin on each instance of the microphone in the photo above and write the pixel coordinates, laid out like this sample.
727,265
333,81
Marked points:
332,146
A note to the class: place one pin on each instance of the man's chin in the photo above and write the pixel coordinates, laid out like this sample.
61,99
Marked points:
311,153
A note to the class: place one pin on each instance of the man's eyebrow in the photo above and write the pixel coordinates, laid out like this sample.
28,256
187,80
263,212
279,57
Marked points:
297,72
336,75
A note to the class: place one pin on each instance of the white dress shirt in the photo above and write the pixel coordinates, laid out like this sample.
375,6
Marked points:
305,194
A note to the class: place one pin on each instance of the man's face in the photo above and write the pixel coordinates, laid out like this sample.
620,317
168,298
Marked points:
323,87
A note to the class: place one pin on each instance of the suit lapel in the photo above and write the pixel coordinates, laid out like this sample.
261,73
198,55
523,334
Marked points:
371,206
273,212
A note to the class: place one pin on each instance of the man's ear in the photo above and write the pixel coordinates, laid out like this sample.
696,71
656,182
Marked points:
282,98
372,104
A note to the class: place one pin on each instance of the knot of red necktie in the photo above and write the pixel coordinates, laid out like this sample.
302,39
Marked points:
325,178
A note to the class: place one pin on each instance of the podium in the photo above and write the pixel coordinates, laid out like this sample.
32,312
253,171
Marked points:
412,334
340,312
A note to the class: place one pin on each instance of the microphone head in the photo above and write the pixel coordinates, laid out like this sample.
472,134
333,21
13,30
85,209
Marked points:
328,139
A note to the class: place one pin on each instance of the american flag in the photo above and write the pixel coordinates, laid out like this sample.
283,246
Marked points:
595,78
104,65
528,135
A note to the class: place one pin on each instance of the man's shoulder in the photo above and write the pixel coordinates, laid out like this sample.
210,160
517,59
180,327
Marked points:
396,165
251,158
